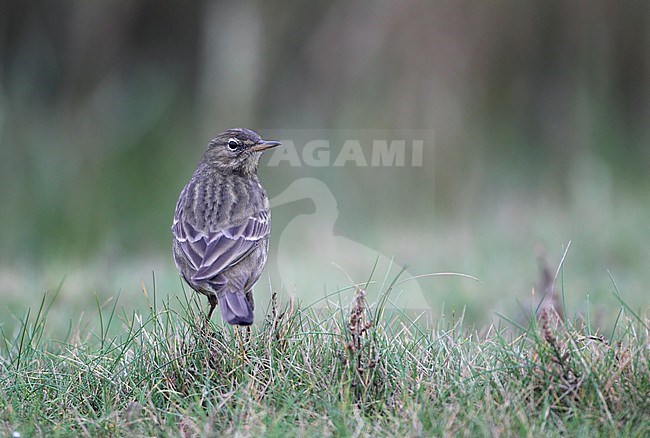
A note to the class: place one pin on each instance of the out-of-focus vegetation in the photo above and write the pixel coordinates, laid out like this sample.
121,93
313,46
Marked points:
541,114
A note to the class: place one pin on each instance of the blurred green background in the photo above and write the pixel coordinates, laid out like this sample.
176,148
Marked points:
541,114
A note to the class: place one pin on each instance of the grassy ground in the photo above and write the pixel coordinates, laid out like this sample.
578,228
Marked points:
354,370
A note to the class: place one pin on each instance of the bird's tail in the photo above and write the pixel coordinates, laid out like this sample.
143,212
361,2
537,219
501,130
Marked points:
235,308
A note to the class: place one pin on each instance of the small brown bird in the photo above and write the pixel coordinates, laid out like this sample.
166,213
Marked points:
222,223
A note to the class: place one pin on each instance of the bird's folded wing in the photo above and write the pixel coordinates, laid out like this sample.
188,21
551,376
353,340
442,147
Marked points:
211,252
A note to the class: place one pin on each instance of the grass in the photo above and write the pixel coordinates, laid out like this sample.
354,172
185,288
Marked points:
348,371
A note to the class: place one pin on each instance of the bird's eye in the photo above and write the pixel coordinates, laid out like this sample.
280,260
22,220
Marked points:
233,144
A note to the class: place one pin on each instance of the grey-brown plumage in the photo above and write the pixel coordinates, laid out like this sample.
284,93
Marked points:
222,223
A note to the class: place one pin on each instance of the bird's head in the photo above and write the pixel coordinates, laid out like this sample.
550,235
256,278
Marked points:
237,150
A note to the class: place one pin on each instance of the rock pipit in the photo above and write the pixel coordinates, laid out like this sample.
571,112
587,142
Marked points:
222,223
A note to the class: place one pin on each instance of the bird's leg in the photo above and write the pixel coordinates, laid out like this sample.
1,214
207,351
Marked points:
213,303
206,322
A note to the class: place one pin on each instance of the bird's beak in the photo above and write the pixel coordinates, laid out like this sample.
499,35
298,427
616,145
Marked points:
265,145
